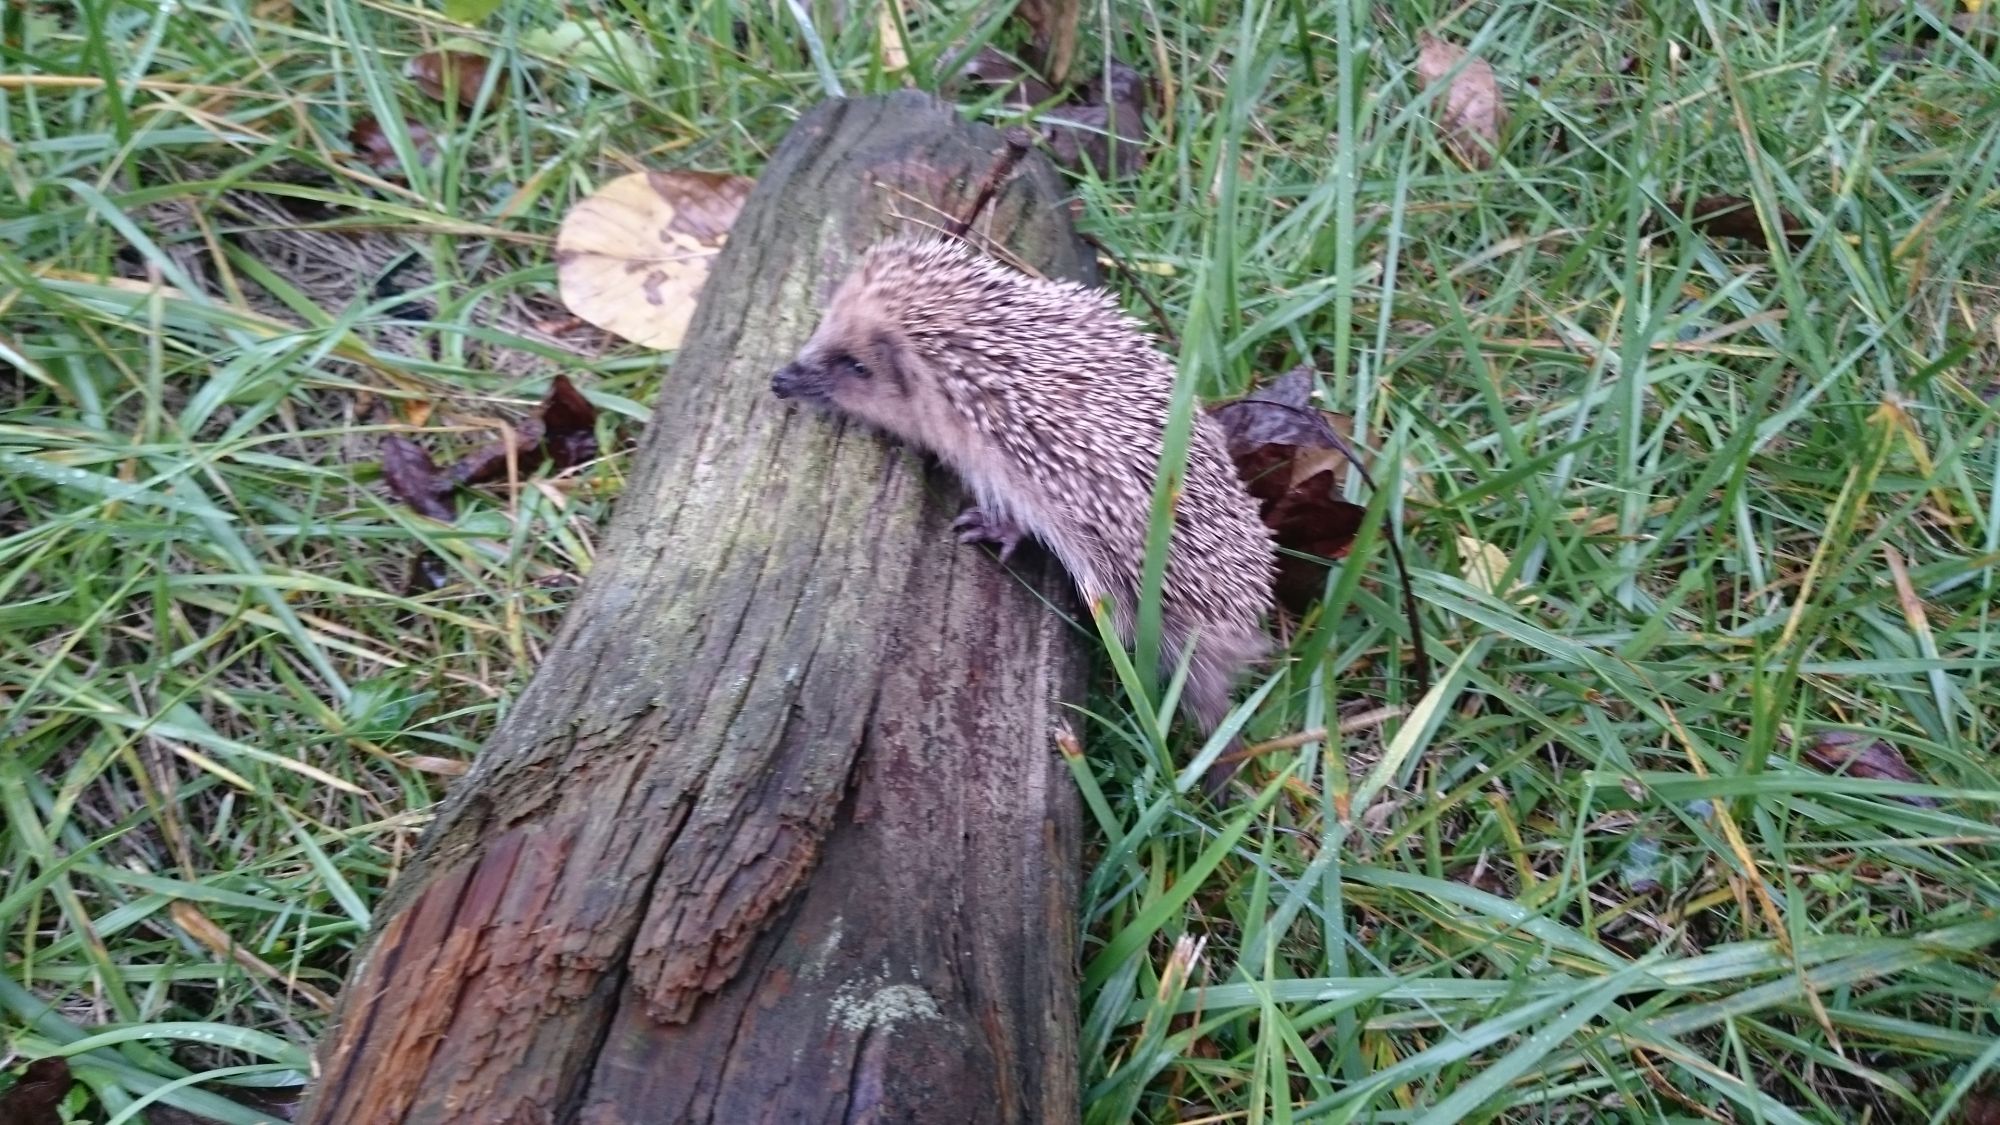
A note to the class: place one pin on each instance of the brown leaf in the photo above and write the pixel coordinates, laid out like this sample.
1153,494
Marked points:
571,424
35,1099
1860,755
988,69
631,258
1282,413
1732,216
1471,113
488,463
564,431
1981,1107
1116,82
1052,24
1112,107
1311,519
371,143
1081,138
1289,454
414,478
446,74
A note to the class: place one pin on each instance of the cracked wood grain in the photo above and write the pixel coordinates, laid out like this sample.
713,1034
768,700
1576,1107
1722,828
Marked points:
777,831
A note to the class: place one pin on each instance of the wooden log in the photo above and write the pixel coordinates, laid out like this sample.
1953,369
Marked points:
778,831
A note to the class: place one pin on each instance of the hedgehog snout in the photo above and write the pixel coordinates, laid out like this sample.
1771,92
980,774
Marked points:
791,380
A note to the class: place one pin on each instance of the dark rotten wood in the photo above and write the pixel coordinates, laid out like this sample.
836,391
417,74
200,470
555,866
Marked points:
778,831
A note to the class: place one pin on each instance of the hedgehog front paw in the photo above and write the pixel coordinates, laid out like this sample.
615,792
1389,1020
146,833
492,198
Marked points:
976,525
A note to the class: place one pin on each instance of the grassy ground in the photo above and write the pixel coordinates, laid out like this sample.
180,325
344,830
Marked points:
1748,497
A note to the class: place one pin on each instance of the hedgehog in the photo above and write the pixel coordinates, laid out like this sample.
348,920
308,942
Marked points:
1051,404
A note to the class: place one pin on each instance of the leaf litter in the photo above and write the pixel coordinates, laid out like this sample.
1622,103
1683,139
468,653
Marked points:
445,75
562,433
632,257
1469,111
1293,458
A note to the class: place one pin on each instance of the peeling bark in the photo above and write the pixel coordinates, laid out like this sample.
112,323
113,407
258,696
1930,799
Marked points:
777,832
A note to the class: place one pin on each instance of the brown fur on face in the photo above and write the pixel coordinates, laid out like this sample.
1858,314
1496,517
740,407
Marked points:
860,364
1052,406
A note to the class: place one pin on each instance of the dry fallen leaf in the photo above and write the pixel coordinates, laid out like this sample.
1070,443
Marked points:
1283,413
1112,107
449,74
631,258
441,767
35,1098
1861,755
988,70
1469,110
564,432
414,478
371,143
1053,25
1484,564
1732,216
1289,454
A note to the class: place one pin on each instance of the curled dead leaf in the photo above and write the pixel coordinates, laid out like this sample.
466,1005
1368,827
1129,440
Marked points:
372,144
444,75
1291,457
569,422
1856,754
36,1098
1732,216
988,70
1106,139
563,431
1469,110
415,480
1101,128
632,257
1106,128
441,767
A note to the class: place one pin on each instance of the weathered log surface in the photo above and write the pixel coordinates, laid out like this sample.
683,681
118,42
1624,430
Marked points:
777,832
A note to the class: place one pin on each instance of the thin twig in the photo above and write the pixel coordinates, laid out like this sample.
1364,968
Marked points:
1353,724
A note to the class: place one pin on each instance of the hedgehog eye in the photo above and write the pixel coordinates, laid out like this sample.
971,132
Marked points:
850,366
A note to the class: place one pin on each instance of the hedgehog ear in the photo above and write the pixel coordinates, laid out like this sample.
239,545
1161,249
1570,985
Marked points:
891,360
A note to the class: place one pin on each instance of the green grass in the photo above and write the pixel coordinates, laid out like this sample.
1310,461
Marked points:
1748,497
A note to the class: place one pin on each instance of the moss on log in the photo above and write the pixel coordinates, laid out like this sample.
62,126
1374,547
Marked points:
778,831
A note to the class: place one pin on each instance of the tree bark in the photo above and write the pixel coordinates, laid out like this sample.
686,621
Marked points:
778,831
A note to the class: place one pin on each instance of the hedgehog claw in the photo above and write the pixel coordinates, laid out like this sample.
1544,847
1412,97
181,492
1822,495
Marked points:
974,525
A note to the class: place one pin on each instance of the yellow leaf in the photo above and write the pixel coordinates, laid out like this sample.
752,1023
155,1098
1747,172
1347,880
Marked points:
1484,564
631,258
